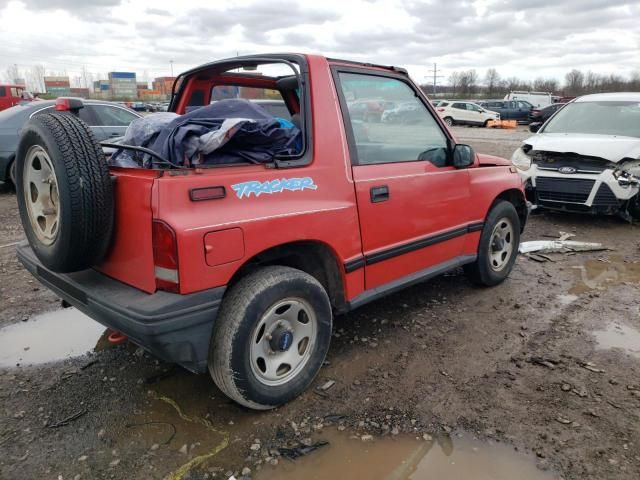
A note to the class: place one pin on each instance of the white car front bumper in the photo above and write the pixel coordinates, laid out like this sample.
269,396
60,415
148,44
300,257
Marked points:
579,192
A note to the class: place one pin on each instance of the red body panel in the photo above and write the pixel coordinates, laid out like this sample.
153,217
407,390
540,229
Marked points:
130,257
424,201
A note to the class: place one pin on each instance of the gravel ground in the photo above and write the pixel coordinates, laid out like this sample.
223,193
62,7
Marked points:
518,364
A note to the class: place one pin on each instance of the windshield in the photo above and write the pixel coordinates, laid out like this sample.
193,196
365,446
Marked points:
598,118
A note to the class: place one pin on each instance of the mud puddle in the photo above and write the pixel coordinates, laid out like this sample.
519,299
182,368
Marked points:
619,336
185,424
443,458
604,273
49,337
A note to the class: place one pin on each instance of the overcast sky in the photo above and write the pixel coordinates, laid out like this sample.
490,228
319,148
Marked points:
524,38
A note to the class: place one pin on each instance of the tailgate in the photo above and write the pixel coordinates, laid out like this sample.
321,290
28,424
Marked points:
130,256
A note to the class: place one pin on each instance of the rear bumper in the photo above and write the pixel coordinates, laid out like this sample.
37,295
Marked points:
176,328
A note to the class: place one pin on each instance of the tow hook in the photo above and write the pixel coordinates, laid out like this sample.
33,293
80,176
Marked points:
116,338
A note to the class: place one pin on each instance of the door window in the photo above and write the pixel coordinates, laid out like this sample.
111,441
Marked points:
524,105
460,106
108,116
3,91
85,114
473,108
409,134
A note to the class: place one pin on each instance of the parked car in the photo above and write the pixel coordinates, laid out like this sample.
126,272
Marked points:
406,112
139,106
537,99
586,157
107,120
541,115
370,110
11,95
509,109
239,269
465,113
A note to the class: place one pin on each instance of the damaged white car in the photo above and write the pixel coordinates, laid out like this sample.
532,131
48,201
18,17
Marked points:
586,158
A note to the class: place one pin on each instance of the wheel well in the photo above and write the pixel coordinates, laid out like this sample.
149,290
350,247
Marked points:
312,257
515,197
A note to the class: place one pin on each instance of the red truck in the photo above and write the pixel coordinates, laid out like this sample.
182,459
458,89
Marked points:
240,268
11,95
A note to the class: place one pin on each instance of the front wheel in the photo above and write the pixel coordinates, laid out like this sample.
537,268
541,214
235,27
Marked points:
271,337
498,247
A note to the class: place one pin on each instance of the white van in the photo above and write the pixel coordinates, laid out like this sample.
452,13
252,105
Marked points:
537,99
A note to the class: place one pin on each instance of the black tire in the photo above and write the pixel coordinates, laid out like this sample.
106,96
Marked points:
481,272
247,302
12,173
84,191
449,121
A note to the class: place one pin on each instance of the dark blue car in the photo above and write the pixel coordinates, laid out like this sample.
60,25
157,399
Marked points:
509,109
106,119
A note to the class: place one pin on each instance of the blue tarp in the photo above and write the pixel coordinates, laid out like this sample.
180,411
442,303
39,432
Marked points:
228,131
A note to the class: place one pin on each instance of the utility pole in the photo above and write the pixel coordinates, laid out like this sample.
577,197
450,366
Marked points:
171,63
435,71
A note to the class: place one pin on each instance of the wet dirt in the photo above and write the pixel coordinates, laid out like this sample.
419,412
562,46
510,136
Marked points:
49,337
403,458
604,273
619,336
517,365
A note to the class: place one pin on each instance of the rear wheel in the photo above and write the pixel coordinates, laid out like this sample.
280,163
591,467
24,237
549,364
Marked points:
448,121
498,247
271,337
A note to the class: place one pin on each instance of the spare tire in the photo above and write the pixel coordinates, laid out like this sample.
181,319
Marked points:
64,192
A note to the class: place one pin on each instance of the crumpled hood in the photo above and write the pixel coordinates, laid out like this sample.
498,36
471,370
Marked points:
609,147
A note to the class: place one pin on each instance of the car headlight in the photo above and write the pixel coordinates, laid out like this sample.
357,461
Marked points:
521,160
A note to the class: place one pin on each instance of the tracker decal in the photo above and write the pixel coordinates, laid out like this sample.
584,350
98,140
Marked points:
279,185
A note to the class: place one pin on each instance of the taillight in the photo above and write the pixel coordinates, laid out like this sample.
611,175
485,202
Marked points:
165,257
441,109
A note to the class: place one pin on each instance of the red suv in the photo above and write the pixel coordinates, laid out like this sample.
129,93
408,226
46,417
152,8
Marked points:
240,268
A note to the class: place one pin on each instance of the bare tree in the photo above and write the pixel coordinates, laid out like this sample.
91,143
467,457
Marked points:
468,82
36,78
12,73
545,85
492,80
454,82
574,82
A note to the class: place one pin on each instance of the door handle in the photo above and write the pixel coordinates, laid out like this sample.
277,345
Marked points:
379,194
115,134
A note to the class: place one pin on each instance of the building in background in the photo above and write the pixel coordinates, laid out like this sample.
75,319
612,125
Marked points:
20,81
57,86
163,85
142,88
123,85
102,89
80,92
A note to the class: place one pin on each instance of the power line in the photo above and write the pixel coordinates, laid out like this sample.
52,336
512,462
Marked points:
435,76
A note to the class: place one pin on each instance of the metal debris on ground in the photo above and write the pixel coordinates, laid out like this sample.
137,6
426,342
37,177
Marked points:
301,450
327,385
559,246
68,420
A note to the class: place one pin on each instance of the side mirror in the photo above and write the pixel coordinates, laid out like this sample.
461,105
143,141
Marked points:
463,156
535,126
